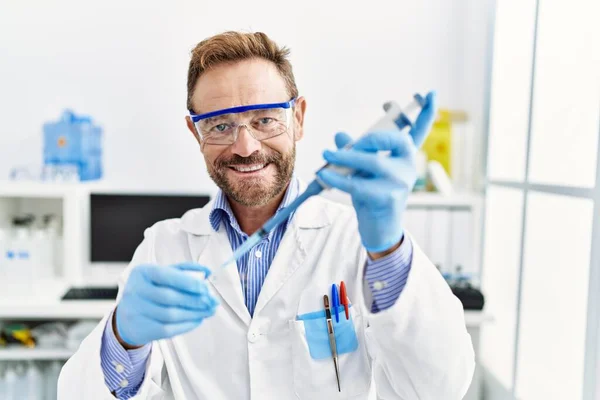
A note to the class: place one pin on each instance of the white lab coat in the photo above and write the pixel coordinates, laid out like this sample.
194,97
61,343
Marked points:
417,349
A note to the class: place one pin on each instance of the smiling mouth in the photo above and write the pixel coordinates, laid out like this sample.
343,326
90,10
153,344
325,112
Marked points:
248,168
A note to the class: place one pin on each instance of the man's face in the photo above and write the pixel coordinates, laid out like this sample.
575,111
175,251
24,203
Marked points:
248,82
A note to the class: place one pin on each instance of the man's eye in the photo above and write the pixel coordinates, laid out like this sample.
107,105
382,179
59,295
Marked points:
220,128
266,120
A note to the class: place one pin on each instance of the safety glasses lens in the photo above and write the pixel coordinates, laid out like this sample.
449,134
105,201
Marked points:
262,124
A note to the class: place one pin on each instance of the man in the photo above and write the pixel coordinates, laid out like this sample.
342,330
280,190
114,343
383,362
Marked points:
257,330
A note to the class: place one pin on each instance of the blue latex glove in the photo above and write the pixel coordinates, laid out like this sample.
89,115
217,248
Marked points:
162,302
381,185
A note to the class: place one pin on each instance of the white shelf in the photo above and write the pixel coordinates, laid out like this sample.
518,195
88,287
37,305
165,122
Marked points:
42,300
53,190
72,309
421,199
19,354
58,190
436,199
474,319
35,189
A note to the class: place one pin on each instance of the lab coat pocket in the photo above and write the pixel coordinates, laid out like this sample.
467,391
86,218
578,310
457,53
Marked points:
313,367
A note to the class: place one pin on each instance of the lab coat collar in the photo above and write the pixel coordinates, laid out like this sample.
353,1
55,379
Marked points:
310,215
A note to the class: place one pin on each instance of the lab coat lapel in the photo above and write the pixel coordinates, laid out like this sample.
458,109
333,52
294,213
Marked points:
226,281
292,250
288,259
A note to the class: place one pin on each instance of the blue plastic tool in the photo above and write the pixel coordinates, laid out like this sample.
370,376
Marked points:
335,301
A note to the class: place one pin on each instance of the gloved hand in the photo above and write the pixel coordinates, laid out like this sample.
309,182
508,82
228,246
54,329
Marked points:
381,185
162,302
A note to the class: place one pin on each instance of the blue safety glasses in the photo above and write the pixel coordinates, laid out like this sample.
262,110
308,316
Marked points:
263,121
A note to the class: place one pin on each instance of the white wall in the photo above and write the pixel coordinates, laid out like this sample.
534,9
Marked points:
125,63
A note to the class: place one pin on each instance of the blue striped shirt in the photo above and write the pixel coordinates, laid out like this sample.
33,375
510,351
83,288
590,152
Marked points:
124,369
254,265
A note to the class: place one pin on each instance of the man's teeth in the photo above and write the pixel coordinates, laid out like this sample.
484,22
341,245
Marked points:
249,168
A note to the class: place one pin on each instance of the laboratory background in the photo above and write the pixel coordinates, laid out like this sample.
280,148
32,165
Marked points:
94,148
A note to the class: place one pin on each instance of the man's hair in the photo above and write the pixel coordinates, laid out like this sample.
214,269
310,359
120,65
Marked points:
230,47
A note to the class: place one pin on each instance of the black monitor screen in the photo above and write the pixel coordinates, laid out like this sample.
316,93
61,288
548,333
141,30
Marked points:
118,221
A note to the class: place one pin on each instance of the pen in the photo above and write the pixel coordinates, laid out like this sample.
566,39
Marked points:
344,298
335,300
332,341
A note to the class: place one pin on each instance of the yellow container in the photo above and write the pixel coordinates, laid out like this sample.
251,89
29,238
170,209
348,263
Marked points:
438,144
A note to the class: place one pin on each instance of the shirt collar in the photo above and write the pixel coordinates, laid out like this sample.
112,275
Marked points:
221,211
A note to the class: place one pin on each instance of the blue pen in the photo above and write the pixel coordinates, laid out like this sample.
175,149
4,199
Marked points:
335,300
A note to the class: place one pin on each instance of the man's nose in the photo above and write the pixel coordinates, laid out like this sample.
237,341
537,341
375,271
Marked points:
245,143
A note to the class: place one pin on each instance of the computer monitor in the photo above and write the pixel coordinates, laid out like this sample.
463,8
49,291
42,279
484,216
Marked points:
118,221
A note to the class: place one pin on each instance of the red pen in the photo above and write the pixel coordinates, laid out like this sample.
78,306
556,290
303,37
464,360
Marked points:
344,298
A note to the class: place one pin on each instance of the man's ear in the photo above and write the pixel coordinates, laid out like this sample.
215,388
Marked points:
299,110
192,128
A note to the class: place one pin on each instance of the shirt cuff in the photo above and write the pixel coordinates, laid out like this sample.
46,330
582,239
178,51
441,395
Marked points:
124,370
387,276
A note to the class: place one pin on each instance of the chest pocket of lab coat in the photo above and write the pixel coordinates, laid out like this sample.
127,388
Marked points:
313,368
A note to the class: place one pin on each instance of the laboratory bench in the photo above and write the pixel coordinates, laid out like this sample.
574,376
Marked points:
25,354
42,302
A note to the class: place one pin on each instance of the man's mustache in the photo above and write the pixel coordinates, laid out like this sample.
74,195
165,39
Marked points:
251,160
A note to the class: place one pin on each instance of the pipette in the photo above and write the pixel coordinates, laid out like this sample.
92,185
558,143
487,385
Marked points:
395,119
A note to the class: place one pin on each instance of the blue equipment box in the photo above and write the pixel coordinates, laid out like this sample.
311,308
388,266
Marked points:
74,140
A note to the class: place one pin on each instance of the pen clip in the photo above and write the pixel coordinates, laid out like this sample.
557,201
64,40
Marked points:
327,309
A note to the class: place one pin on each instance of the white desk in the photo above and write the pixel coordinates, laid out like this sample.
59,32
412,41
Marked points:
42,301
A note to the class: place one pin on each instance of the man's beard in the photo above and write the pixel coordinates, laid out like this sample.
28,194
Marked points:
252,192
